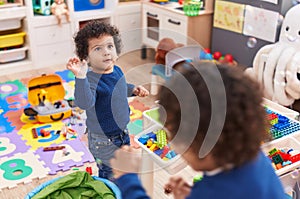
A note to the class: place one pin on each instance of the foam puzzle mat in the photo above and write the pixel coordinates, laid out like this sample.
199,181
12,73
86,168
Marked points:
23,151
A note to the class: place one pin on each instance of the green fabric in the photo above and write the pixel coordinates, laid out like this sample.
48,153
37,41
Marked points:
77,185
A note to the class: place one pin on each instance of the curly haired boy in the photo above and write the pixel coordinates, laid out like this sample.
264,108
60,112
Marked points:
215,120
102,90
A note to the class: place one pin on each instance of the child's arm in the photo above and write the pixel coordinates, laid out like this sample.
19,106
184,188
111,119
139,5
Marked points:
79,68
84,91
125,165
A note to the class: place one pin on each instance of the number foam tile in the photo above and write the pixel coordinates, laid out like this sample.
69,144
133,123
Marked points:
29,164
58,161
12,143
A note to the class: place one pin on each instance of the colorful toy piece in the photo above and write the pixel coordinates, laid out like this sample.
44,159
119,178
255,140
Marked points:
161,138
281,125
42,7
157,143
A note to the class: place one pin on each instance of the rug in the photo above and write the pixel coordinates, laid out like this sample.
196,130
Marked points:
22,146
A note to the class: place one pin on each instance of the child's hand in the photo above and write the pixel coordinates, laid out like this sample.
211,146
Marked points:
127,160
79,68
140,91
178,187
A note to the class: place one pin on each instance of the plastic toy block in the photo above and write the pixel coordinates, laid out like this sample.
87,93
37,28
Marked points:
274,121
168,155
280,126
282,119
166,149
277,159
153,147
295,158
53,148
271,116
44,133
152,135
278,166
34,133
273,152
161,138
143,140
149,143
89,170
286,163
158,151
173,154
197,178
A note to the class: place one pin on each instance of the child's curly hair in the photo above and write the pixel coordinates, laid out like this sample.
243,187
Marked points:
95,29
245,125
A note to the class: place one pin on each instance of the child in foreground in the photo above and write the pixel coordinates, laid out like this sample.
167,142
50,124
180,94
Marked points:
215,120
101,89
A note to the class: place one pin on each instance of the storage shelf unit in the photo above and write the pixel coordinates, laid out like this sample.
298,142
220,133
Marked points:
13,38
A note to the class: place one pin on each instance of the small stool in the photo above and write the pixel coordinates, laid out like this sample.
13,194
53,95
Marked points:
157,70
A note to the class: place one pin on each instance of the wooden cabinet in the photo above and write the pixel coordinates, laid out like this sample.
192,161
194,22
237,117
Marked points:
127,17
53,45
168,20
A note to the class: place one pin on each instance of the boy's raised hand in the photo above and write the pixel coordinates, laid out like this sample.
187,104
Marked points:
140,91
79,68
126,160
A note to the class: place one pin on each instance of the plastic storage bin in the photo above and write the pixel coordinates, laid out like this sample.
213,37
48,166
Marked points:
10,40
290,182
13,55
287,142
150,117
9,24
172,165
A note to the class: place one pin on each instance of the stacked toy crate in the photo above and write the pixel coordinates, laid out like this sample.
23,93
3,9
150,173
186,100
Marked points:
12,32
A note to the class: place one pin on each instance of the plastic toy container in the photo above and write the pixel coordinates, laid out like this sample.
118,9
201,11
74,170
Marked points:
10,24
13,55
287,142
10,40
150,117
172,165
290,182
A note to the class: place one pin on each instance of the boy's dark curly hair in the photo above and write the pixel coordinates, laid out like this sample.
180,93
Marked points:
94,29
245,125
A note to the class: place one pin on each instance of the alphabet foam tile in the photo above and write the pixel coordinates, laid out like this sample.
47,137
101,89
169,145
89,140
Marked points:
74,154
21,168
11,143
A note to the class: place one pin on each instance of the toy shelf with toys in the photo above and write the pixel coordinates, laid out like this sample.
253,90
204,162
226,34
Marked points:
283,148
13,36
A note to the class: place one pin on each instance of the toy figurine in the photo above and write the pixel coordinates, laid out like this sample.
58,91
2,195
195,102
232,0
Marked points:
163,47
59,8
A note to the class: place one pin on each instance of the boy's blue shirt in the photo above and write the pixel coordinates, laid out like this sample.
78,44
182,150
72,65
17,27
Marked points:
256,179
105,102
